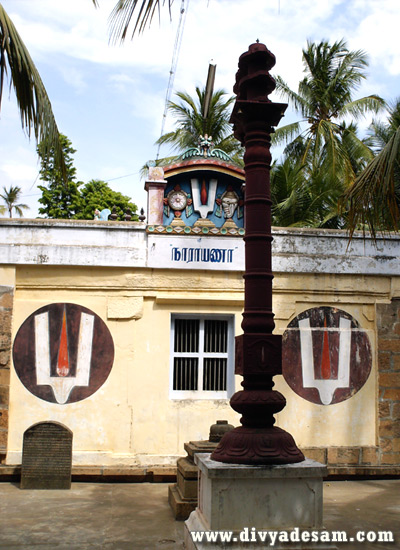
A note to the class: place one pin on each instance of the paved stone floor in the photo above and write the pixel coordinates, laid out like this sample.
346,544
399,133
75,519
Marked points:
127,516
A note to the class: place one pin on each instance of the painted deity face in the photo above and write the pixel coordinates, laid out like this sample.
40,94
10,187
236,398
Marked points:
229,203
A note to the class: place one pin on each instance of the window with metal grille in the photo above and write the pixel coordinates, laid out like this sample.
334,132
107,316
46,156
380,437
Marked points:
202,354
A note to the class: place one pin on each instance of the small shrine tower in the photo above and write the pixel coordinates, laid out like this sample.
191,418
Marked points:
202,193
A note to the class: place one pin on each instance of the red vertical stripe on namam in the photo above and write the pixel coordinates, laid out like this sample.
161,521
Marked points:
326,362
63,362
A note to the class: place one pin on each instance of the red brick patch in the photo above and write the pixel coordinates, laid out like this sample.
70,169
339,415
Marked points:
343,455
390,458
389,380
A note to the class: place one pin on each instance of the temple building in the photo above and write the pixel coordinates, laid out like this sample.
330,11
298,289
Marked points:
124,331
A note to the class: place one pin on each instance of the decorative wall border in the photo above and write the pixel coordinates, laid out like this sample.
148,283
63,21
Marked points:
196,230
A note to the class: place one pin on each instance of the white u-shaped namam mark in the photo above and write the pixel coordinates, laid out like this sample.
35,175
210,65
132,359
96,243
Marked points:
62,386
203,209
326,388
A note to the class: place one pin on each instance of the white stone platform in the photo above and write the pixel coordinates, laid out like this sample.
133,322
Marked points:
233,497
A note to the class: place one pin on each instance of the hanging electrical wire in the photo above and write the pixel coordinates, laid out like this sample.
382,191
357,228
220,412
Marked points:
174,64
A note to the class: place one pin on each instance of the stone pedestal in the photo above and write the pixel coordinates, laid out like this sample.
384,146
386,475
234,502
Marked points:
182,496
233,497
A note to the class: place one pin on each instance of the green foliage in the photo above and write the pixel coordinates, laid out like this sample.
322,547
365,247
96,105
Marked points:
11,198
70,200
327,149
291,199
96,194
61,201
301,202
61,198
374,198
327,153
191,124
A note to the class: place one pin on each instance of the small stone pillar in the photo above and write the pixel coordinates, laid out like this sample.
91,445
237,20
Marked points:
155,186
182,496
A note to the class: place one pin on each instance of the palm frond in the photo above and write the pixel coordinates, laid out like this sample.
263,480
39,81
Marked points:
191,124
348,68
290,195
285,133
373,199
362,106
299,103
123,12
358,151
32,99
378,134
165,161
19,209
394,114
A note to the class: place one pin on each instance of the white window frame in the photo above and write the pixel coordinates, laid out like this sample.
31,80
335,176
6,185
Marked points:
201,355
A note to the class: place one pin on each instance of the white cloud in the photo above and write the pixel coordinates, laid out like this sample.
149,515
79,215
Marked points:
75,78
20,168
19,173
378,32
80,32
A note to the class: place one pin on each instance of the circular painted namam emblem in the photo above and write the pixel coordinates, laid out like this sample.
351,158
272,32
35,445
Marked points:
326,356
63,353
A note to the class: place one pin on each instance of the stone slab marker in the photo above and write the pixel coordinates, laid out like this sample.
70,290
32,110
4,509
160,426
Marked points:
47,457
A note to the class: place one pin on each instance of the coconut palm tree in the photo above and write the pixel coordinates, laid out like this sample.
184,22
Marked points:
291,199
191,123
374,198
326,146
324,100
303,199
11,198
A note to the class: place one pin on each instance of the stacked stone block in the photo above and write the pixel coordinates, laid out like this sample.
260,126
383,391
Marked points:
6,308
389,382
182,496
346,460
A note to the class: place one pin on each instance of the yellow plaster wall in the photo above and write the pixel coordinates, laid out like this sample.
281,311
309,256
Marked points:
98,422
131,418
7,276
166,424
352,422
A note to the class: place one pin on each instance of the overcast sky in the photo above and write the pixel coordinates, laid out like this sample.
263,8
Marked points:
109,100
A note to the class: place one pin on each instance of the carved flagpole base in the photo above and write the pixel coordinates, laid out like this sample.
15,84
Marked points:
257,441
257,446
